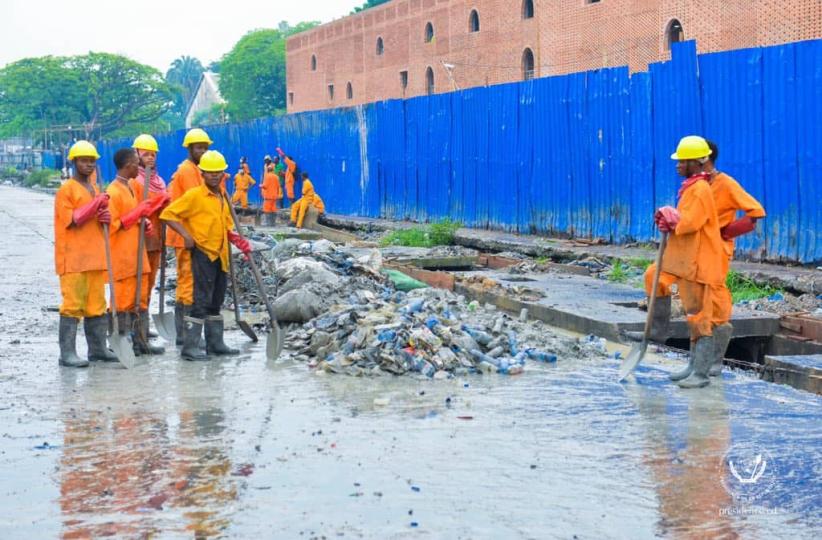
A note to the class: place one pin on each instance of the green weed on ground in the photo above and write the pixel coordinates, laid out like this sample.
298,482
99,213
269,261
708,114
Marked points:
618,272
440,233
744,288
42,177
640,262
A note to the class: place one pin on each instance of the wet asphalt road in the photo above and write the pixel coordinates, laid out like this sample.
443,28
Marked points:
239,448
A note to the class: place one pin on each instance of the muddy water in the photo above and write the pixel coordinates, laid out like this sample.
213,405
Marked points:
240,448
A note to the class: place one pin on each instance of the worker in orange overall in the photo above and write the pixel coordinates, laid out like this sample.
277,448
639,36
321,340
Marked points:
729,198
290,171
147,149
243,181
272,193
126,213
693,260
186,177
80,259
309,202
202,218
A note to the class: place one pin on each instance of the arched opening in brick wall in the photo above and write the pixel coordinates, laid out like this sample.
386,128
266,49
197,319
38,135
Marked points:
349,91
527,9
527,65
674,33
429,81
473,21
380,46
429,33
313,62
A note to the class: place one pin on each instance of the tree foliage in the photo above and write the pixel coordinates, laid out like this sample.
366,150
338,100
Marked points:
98,94
368,5
252,74
185,72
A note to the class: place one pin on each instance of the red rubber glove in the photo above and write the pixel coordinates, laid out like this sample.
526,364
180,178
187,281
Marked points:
130,218
741,226
667,218
103,215
280,151
158,203
241,243
89,210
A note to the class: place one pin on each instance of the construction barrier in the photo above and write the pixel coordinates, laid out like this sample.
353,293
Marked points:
583,155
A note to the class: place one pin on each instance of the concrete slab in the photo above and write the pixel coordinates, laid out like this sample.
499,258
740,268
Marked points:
589,305
289,232
428,258
803,372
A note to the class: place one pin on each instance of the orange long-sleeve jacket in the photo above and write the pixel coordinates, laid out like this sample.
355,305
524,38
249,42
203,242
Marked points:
152,240
696,251
271,187
289,177
76,249
187,177
730,197
124,242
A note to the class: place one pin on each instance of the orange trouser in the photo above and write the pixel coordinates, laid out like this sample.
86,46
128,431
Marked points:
704,304
154,267
241,197
84,294
269,206
125,291
185,279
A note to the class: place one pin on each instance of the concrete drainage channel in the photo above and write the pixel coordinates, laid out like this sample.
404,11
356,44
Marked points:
567,297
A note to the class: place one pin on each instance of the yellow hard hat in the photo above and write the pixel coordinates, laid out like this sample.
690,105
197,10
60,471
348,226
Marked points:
146,142
213,161
691,147
195,136
82,149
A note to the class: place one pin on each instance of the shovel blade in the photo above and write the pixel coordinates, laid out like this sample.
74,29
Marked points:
123,350
164,323
247,330
633,359
274,343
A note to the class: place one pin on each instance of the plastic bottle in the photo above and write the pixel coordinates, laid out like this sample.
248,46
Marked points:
432,322
481,337
520,358
540,356
427,369
386,336
513,345
496,352
480,357
413,306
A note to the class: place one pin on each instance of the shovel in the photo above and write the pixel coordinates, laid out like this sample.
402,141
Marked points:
164,322
244,326
121,347
638,350
141,244
311,223
274,342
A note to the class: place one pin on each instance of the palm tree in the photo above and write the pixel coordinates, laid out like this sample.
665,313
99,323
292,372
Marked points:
185,72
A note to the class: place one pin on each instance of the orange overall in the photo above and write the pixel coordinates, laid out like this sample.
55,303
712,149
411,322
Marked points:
79,254
242,183
309,198
154,246
730,197
289,178
187,177
271,192
694,260
124,243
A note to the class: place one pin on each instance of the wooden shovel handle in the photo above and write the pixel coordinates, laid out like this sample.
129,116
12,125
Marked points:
657,273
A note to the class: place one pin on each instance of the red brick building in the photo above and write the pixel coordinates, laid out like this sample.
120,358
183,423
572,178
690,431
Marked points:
408,48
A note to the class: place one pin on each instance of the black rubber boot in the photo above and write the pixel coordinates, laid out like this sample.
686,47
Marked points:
722,337
143,346
687,370
660,323
179,323
703,356
67,338
191,350
214,326
96,329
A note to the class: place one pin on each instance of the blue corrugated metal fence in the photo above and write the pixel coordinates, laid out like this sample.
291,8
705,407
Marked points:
585,154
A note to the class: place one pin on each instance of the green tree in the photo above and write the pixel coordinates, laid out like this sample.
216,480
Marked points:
98,94
252,74
216,114
368,5
185,72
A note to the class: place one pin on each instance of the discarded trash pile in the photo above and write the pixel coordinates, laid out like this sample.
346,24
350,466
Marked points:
487,284
357,323
783,303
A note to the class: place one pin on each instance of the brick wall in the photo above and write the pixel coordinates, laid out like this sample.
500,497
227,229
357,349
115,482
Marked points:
564,35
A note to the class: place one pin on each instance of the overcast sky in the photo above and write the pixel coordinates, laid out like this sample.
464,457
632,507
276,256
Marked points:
153,32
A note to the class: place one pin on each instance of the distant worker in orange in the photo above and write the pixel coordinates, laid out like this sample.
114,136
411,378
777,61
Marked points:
693,260
187,177
272,194
243,181
126,213
80,259
309,202
730,198
147,149
290,171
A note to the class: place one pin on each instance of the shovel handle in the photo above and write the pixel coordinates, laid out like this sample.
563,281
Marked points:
657,273
116,330
163,261
234,287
